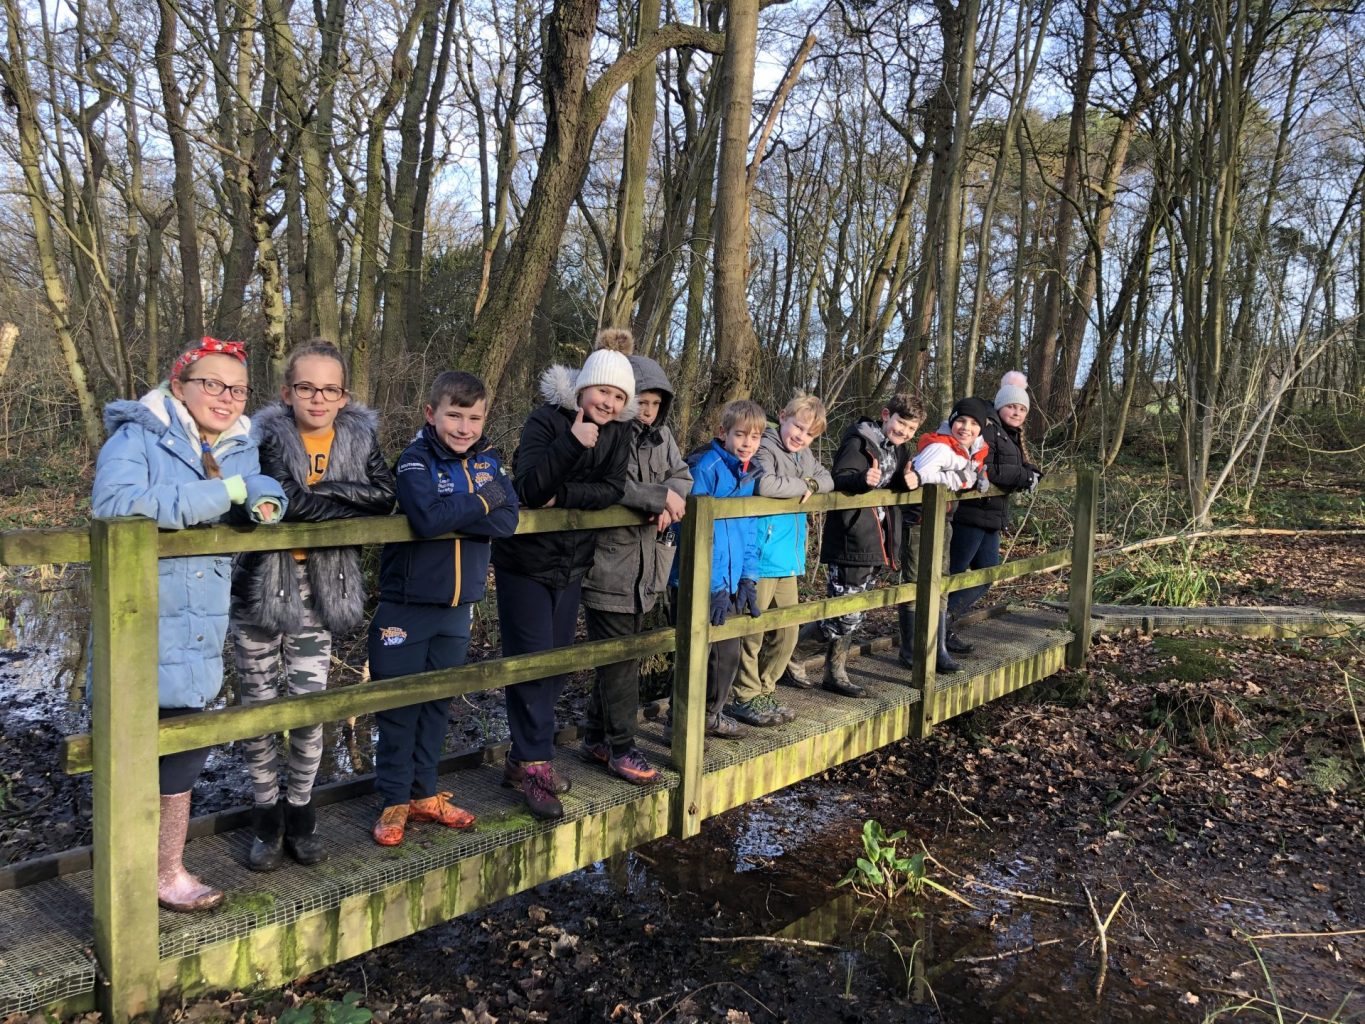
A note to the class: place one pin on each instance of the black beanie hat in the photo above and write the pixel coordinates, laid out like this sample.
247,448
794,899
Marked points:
977,408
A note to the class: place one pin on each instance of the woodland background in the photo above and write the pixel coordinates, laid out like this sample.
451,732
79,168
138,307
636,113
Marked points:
1154,207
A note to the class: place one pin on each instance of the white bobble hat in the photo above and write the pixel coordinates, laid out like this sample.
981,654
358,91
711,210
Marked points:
608,368
1013,391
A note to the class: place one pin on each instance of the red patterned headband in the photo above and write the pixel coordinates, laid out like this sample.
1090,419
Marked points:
208,347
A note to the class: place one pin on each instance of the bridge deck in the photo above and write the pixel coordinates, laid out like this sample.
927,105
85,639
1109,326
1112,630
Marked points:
276,926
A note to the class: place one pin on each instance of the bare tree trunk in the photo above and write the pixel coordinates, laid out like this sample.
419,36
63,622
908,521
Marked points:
19,95
627,241
736,343
573,112
186,215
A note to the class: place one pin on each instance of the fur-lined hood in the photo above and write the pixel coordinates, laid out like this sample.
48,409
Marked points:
557,388
153,413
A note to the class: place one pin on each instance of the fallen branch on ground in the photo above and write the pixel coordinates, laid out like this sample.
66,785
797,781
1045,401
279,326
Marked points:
1000,889
775,940
1103,928
1007,954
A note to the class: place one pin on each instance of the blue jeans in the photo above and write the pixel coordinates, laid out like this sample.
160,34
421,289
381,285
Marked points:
971,547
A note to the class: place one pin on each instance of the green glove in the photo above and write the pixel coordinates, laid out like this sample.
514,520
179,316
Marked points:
236,488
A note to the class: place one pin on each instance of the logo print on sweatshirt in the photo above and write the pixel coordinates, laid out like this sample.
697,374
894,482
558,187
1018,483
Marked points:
481,478
392,636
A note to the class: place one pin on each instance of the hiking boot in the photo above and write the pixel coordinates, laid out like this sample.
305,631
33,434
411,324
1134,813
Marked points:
795,676
388,830
836,669
439,809
301,838
514,774
633,767
267,831
783,713
725,727
752,712
956,645
538,787
592,751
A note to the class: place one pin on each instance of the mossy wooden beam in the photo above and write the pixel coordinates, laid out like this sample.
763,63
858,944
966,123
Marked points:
740,783
214,728
958,698
688,708
932,541
1045,562
1081,594
126,803
276,953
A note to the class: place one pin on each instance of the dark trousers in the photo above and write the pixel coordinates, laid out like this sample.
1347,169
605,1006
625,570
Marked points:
406,639
177,772
533,617
971,547
722,666
722,660
614,701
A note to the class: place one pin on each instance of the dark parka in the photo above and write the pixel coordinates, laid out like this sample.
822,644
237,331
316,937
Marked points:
864,536
357,482
550,463
1006,469
632,563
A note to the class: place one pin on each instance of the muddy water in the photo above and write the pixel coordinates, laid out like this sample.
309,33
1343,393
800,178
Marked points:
1174,951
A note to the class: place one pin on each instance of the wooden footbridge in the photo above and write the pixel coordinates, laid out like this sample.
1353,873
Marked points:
82,930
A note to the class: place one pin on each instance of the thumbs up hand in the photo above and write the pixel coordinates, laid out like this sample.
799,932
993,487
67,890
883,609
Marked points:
585,430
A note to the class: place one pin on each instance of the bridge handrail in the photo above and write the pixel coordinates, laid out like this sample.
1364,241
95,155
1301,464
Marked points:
64,545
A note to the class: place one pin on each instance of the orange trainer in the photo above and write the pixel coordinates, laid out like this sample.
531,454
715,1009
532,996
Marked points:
439,809
388,830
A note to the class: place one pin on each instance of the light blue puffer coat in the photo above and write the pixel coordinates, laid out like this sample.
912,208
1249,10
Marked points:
151,467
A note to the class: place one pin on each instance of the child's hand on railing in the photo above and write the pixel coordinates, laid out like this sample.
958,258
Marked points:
674,505
720,607
746,598
910,475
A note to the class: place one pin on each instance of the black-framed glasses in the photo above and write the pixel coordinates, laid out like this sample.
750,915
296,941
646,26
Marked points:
331,393
214,387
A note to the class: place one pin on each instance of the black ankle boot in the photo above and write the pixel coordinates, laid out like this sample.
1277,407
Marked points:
267,830
301,837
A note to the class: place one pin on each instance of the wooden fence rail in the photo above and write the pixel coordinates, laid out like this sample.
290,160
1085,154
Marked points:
126,737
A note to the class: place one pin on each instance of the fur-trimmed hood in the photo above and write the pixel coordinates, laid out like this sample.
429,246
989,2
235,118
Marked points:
153,412
557,388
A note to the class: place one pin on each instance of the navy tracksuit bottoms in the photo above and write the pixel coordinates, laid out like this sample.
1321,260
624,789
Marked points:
406,639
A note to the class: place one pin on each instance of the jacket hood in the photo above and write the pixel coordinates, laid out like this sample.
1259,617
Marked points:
650,376
557,388
153,412
871,430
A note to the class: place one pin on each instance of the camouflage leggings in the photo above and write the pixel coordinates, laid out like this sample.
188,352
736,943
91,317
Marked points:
304,658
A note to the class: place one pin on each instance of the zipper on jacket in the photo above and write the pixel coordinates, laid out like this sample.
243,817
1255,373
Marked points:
455,598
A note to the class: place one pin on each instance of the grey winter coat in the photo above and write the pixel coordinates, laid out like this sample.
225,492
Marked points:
357,482
782,474
632,563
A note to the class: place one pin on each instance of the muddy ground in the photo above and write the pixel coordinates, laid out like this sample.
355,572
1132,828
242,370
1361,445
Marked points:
1213,788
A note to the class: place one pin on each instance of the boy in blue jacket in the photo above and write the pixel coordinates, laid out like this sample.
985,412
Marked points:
722,469
450,479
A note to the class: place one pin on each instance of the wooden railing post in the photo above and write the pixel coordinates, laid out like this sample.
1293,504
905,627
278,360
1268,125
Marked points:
123,605
933,514
688,706
1081,591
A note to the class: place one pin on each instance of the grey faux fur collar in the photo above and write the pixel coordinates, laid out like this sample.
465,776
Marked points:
557,388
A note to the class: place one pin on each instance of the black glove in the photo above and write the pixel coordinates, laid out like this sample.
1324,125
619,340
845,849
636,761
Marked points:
495,493
746,598
720,607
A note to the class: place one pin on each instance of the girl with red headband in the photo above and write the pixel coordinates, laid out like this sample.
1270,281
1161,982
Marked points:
183,455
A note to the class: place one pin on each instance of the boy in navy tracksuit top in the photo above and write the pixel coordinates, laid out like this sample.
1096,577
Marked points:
722,469
450,479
